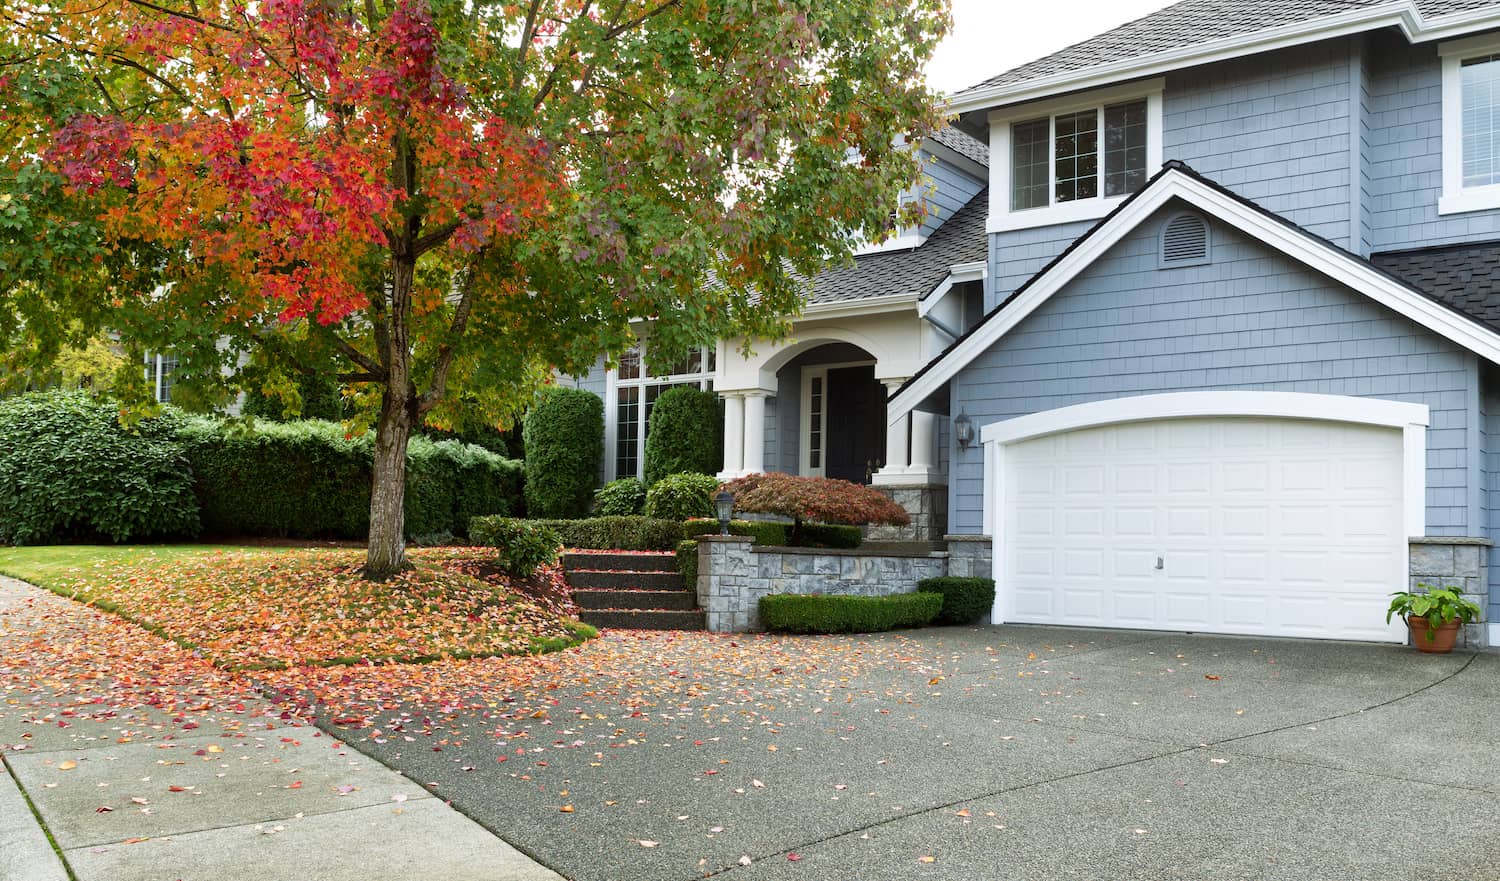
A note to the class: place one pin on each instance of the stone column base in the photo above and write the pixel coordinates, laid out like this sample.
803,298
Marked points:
928,506
1454,561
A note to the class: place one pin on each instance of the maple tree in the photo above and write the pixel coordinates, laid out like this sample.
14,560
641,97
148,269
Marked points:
817,499
440,202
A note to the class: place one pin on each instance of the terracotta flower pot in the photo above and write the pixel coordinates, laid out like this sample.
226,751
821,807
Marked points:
1441,643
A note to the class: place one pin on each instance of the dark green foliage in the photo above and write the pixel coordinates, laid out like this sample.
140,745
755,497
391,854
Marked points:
522,546
625,497
830,535
687,562
618,533
310,479
564,436
321,399
504,443
965,600
764,532
684,434
682,497
69,471
814,613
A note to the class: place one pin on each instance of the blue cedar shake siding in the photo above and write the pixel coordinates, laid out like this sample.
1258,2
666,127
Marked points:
946,189
1251,319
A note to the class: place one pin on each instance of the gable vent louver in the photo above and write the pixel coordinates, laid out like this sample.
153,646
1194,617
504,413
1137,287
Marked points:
1184,241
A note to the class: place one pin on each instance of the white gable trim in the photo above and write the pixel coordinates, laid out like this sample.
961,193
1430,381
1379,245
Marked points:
1401,14
1338,265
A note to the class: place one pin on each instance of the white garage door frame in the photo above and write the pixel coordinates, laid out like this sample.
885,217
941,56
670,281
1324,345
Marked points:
1410,418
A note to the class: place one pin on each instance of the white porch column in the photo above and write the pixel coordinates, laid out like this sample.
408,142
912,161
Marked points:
754,456
897,452
734,437
923,444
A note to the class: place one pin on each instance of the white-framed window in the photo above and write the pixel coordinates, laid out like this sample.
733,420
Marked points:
903,237
1075,158
158,370
1471,125
814,443
633,392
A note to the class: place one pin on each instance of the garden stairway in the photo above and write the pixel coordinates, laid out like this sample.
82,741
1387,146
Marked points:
639,591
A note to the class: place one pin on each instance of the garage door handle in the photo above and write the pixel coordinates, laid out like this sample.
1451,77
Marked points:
1159,563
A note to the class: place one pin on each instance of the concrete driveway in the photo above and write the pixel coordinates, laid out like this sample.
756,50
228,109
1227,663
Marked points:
989,753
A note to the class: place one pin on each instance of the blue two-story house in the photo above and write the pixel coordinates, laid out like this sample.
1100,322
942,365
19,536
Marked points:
1207,338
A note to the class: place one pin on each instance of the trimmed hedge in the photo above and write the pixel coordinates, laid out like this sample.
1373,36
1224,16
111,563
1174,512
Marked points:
523,546
965,600
816,613
776,534
687,562
611,533
310,479
70,471
620,498
831,535
682,496
684,434
564,436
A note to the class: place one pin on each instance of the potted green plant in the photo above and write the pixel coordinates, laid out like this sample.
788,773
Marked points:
1434,615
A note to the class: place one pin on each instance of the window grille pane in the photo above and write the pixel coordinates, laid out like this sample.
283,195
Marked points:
1077,152
627,435
815,422
630,364
164,393
1481,123
1124,148
1028,165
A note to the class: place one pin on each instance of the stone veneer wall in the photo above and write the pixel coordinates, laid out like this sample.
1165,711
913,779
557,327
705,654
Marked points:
1449,561
733,574
928,506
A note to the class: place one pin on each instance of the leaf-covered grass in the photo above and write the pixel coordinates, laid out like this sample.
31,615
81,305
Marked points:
259,608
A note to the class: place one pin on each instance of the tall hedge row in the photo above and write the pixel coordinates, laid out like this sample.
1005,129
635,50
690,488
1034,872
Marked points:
685,434
311,480
70,471
564,436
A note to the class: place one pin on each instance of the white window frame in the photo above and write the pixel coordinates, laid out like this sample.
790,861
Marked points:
613,383
906,237
1002,218
804,425
1457,198
156,374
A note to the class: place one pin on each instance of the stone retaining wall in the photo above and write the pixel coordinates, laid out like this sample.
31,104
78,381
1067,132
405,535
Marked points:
733,573
1454,561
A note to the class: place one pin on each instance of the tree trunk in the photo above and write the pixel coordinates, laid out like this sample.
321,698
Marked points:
398,416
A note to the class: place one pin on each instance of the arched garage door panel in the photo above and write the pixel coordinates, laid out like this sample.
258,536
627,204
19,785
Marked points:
1269,526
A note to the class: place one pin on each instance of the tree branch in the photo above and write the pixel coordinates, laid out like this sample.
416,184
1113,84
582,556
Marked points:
348,350
177,13
449,349
528,32
436,238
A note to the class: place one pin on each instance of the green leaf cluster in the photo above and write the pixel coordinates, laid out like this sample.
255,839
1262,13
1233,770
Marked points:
564,436
522,546
682,496
620,498
1438,605
685,434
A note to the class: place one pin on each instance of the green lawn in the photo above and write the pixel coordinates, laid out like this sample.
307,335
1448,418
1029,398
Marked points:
49,565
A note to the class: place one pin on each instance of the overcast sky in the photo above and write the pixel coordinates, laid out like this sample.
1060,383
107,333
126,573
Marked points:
991,36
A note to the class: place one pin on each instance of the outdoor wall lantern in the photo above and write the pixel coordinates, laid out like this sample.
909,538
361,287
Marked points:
724,506
963,429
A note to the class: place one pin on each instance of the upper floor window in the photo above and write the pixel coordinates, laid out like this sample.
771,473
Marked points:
1471,125
1075,159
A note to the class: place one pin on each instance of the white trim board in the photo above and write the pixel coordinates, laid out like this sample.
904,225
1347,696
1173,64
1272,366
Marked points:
1402,14
1174,183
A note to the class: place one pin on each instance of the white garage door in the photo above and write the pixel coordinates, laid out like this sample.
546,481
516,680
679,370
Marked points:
1225,525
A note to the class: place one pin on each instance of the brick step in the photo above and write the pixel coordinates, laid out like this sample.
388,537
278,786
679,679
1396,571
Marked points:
657,562
583,579
625,619
675,600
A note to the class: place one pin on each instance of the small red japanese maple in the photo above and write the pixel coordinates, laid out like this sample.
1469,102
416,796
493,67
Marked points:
816,499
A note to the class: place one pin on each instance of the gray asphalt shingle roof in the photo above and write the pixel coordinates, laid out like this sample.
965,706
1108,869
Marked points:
1190,23
963,144
1465,278
961,239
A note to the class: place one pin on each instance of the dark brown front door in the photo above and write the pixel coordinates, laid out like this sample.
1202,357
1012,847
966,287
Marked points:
855,424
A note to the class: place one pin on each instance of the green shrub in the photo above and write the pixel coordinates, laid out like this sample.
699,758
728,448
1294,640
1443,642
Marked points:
684,435
522,546
965,600
682,497
815,613
564,436
618,533
831,535
311,479
321,399
763,531
620,498
687,562
70,471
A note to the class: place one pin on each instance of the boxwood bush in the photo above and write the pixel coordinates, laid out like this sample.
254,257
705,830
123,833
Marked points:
612,533
816,613
564,436
965,600
684,434
682,496
687,562
620,498
70,471
521,546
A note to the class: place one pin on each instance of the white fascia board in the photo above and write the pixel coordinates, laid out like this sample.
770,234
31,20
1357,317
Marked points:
1402,14
867,306
958,273
1338,265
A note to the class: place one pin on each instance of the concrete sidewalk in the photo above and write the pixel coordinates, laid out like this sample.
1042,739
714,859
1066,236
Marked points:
142,793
